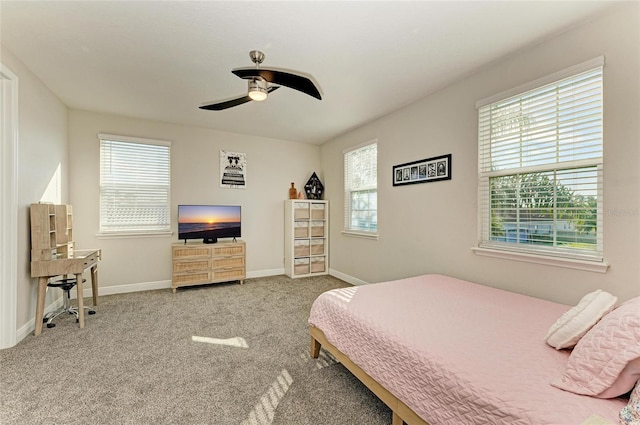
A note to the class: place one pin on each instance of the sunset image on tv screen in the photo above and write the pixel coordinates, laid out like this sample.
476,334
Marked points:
209,221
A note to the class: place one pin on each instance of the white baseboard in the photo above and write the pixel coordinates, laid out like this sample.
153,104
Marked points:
161,284
30,326
349,279
124,289
265,273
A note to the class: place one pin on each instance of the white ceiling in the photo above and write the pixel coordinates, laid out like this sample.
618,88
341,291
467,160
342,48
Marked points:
160,60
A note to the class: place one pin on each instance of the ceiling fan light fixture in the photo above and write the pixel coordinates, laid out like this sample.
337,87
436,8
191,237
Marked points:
262,81
258,90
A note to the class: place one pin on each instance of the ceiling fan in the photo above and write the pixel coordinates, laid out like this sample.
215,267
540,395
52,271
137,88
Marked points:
262,81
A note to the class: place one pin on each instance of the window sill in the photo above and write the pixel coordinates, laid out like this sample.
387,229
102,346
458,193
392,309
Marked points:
124,235
363,235
570,263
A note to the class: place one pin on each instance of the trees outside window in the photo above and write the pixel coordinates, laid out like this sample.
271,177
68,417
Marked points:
540,167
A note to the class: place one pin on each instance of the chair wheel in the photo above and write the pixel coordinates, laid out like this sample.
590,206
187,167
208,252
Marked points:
92,312
77,320
51,325
44,320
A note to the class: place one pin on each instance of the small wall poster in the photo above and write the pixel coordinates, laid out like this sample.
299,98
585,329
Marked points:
233,170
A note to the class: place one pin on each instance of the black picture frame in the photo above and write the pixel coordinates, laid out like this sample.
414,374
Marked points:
427,170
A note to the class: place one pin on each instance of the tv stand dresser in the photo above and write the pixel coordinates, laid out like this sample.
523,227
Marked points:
197,263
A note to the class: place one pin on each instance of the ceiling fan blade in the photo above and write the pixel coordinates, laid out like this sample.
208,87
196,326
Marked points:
230,103
226,104
281,78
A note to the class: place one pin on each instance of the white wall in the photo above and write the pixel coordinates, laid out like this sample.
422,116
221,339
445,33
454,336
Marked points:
145,263
431,227
423,228
42,171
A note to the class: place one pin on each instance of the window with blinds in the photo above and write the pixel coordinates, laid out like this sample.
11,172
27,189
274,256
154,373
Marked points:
134,185
361,189
540,167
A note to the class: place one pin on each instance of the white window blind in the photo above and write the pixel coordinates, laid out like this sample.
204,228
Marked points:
134,185
540,169
361,189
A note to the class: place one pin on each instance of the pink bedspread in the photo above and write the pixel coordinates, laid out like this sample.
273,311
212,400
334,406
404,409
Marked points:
456,352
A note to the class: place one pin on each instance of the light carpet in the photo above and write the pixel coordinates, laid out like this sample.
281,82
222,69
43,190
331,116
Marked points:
214,354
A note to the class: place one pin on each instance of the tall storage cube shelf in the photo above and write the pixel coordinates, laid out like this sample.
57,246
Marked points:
199,263
306,242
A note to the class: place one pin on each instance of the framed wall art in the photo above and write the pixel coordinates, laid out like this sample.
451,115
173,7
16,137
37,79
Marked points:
233,170
424,171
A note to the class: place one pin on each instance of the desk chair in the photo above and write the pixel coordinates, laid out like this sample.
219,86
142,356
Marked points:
66,285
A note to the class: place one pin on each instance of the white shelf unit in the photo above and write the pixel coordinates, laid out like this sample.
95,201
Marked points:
306,238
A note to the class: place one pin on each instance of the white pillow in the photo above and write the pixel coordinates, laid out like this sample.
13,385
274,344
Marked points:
575,323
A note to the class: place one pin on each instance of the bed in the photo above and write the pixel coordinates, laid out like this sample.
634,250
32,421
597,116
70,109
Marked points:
439,350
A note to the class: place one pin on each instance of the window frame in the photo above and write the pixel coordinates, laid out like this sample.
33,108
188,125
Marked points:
348,230
161,229
571,258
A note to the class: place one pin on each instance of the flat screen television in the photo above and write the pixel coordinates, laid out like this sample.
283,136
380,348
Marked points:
209,222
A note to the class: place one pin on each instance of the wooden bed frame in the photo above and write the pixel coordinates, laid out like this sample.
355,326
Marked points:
402,414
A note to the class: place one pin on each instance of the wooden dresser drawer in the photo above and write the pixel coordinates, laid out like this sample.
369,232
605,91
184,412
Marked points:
228,274
226,262
192,265
229,249
190,252
191,278
199,263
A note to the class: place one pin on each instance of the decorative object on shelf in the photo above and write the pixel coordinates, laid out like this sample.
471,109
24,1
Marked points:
423,171
293,192
300,196
233,170
314,187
